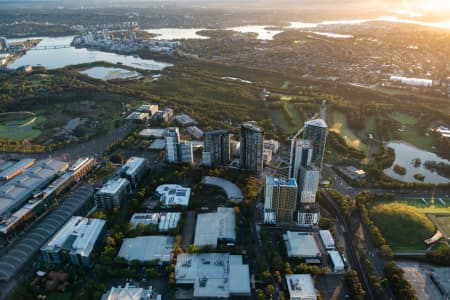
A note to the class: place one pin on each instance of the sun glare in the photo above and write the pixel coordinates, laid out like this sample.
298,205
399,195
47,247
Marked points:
427,5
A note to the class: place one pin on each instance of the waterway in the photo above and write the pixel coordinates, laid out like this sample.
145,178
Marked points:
59,58
405,154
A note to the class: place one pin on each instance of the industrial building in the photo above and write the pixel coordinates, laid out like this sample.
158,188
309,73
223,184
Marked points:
17,169
336,261
131,292
164,220
301,287
30,242
216,150
75,241
251,147
15,192
301,244
327,239
147,248
213,275
214,227
173,194
353,173
113,193
316,131
38,202
134,170
280,200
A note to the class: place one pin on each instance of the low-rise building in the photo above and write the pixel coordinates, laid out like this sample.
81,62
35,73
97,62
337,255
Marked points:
353,173
75,241
147,248
214,227
173,195
267,156
272,145
195,132
163,116
113,193
213,275
131,292
164,220
150,109
184,120
336,261
301,287
153,133
138,117
301,244
327,239
134,170
158,144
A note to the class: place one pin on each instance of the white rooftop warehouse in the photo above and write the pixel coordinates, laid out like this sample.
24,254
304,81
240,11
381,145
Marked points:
213,227
213,275
327,239
336,260
147,248
301,244
301,287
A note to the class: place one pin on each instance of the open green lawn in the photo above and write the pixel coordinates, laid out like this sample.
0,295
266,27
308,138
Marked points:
404,227
286,85
22,133
433,206
411,134
338,123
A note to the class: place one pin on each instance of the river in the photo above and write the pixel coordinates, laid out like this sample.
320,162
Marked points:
59,58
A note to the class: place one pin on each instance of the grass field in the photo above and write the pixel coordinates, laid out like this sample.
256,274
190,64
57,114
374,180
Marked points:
411,133
338,123
21,133
405,227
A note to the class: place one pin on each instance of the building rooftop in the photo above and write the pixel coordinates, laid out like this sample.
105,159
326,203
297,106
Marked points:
327,239
153,132
317,123
22,187
130,293
17,168
301,244
137,116
213,275
301,287
184,119
133,164
78,236
212,227
147,248
173,194
252,125
158,144
336,258
233,191
290,182
165,221
113,185
26,245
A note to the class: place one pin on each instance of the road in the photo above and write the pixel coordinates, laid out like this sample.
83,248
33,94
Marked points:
331,206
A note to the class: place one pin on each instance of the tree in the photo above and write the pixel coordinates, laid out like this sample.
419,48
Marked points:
117,158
